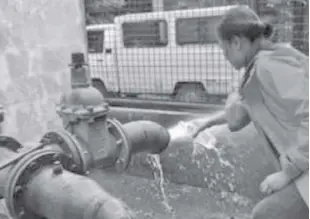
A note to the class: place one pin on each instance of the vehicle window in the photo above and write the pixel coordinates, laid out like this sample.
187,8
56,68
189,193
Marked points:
95,41
145,34
200,30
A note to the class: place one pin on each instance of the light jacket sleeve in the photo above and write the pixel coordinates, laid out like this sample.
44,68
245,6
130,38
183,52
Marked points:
236,114
288,82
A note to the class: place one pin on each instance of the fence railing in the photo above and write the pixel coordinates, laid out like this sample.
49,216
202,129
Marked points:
172,54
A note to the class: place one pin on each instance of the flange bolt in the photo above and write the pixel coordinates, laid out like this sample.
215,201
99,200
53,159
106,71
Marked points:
57,169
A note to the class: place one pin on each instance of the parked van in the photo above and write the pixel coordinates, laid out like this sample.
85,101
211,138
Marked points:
168,53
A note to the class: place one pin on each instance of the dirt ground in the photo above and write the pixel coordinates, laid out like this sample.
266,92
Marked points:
145,199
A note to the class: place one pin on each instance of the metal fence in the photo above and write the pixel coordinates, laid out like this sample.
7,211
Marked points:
167,49
291,19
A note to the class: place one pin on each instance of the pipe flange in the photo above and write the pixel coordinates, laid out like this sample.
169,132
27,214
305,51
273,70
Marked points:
71,146
115,129
21,174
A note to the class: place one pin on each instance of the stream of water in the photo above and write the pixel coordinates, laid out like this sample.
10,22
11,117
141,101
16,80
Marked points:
158,173
181,130
204,140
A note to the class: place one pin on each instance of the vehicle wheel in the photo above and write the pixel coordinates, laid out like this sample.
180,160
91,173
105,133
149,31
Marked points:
190,92
99,85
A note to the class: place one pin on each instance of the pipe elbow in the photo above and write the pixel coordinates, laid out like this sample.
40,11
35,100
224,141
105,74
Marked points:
147,136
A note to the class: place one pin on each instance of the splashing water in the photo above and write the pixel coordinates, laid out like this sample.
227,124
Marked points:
204,140
154,160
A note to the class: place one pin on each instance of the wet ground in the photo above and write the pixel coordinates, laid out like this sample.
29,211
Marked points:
146,200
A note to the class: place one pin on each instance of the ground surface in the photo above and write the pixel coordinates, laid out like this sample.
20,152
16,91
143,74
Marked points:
183,202
237,164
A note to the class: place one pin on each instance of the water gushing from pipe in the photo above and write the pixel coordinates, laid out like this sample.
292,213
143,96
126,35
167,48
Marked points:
154,161
183,131
205,140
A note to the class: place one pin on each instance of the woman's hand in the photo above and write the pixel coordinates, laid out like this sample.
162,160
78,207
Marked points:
274,182
198,125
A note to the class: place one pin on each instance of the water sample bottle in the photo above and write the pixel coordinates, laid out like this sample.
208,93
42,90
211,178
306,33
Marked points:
205,138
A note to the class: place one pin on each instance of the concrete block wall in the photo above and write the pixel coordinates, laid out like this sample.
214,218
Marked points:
37,38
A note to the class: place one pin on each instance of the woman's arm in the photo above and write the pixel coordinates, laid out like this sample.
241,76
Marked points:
234,114
217,119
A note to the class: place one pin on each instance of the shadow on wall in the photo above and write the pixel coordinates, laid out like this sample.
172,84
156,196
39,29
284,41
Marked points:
36,42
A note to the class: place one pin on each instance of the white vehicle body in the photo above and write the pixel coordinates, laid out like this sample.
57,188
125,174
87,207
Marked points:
151,53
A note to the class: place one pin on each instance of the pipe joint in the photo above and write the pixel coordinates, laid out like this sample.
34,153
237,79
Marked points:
23,171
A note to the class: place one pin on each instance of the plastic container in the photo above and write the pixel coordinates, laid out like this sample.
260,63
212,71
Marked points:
204,138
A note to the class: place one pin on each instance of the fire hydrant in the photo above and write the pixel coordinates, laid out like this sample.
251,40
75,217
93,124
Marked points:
91,137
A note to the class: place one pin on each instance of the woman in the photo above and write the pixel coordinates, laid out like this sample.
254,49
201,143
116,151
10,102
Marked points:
273,94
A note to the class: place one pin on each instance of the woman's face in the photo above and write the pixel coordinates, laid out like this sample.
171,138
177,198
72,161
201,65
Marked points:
233,52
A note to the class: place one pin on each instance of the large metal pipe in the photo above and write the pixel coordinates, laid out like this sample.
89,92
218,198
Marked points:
57,193
116,147
37,183
146,136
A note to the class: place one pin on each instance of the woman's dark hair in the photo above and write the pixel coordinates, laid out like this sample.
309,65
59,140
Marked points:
243,21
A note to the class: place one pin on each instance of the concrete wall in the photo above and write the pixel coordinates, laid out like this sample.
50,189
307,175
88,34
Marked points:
36,40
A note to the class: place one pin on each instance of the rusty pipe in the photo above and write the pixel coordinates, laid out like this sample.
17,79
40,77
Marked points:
112,148
36,185
57,193
146,136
